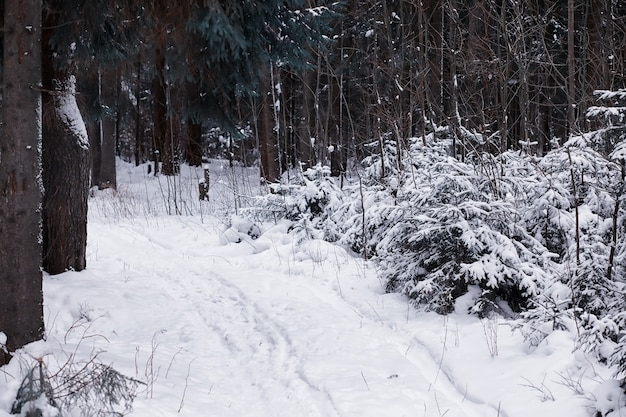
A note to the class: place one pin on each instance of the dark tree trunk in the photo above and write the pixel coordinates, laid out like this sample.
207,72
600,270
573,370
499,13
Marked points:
138,135
267,141
193,148
159,111
102,130
108,82
305,123
108,176
21,309
164,140
65,167
336,161
89,86
95,143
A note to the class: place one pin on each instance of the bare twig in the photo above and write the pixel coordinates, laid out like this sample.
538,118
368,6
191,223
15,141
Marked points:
365,380
182,400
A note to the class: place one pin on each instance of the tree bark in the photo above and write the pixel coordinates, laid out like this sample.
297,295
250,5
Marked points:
65,167
164,139
571,80
138,135
267,141
159,110
108,89
108,173
21,309
305,123
193,145
95,143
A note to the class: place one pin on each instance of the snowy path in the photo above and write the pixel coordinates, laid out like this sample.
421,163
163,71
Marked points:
277,328
256,328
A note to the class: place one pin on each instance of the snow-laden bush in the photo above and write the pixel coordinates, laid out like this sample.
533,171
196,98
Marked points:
462,237
547,214
36,397
77,388
542,236
365,218
308,201
439,225
610,399
317,194
375,205
549,311
604,333
381,163
617,357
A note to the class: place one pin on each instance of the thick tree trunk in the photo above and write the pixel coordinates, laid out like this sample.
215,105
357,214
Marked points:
192,149
21,309
65,168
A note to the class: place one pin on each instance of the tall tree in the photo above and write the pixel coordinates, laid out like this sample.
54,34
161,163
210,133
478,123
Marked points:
65,161
213,55
74,34
21,311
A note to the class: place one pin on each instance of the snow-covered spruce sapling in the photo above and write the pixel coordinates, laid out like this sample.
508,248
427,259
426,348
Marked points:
36,397
90,388
310,202
376,205
383,160
550,310
569,211
618,356
96,389
599,336
463,235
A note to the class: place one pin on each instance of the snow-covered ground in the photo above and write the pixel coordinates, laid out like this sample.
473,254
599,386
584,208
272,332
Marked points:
270,327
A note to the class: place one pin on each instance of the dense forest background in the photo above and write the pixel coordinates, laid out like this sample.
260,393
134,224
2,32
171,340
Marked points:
465,145
500,75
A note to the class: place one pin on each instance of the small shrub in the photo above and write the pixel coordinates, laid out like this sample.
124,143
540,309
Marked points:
93,388
35,397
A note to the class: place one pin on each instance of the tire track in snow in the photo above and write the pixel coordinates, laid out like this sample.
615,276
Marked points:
429,363
218,316
260,347
256,342
336,306
450,383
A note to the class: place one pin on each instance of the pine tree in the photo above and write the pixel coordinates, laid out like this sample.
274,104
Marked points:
216,55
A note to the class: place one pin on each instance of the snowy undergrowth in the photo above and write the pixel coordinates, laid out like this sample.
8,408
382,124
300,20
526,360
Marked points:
211,320
541,241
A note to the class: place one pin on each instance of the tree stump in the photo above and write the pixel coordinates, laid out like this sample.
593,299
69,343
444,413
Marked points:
203,185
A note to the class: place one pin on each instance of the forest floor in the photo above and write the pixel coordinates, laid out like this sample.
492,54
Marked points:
274,327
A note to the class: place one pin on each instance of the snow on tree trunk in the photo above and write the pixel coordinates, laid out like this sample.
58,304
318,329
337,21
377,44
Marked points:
65,169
